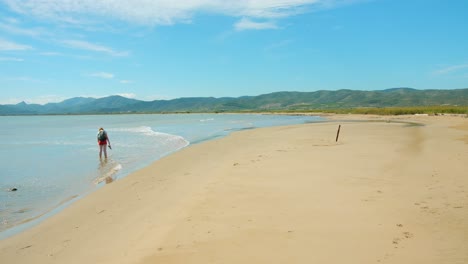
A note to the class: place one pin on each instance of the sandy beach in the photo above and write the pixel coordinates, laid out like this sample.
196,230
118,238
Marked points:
387,192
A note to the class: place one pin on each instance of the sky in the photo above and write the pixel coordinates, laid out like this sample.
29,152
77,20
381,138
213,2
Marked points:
165,49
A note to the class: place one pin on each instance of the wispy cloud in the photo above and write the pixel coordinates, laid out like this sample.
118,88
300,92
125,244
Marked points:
163,12
10,20
85,45
50,53
13,29
248,24
126,81
11,59
12,46
104,75
451,69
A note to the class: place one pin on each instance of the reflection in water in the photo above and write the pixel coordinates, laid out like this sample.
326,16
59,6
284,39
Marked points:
109,179
107,169
102,164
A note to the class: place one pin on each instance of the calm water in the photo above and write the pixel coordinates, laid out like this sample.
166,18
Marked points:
53,160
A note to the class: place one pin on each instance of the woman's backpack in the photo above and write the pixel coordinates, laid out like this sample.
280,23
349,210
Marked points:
102,135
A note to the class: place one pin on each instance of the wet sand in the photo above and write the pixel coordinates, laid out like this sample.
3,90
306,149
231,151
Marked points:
386,192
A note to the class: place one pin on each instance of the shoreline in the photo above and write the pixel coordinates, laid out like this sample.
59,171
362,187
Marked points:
206,203
29,222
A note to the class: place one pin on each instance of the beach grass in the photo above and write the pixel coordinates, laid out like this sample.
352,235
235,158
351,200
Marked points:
409,110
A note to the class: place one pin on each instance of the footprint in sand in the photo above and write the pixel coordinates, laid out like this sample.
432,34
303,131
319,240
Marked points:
408,234
405,235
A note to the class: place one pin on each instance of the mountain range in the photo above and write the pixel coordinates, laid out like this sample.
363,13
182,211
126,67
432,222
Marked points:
278,101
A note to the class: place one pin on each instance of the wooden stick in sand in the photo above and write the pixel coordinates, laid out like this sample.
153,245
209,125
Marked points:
338,133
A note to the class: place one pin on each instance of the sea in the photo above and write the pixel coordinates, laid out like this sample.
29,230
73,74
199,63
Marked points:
48,162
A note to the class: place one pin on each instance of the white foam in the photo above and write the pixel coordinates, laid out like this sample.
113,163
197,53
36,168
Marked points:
148,131
140,129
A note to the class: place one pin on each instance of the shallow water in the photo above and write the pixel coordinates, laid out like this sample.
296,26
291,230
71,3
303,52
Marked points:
53,160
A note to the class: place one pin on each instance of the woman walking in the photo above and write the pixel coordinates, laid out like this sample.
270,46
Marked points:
103,142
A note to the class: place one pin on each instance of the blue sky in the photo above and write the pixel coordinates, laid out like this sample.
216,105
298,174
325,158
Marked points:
163,49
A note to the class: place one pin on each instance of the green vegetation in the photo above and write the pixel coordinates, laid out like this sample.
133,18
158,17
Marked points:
430,110
397,101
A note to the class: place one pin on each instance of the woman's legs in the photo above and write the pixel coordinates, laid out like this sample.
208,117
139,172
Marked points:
101,149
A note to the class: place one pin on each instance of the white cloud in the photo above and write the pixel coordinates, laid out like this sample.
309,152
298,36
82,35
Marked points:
156,97
125,81
11,46
164,12
11,59
9,101
84,45
247,24
450,69
104,75
128,95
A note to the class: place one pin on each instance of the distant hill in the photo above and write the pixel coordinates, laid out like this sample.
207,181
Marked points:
278,101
